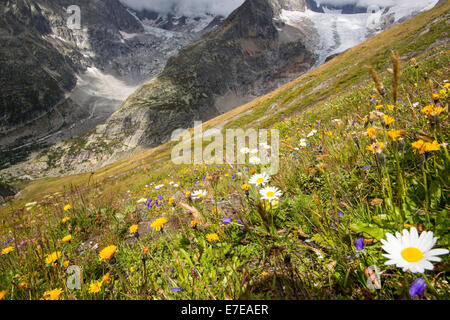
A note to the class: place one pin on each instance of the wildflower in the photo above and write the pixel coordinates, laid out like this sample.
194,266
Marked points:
227,220
95,287
270,193
259,179
7,250
245,150
379,107
176,289
312,133
417,288
376,147
390,107
303,143
132,269
53,294
67,207
67,238
366,168
246,187
107,253
188,194
359,244
264,146
106,278
372,133
3,294
395,135
23,285
388,120
212,237
158,224
255,160
66,264
199,194
411,252
143,200
194,223
134,228
146,250
51,258
171,200
436,97
64,220
421,146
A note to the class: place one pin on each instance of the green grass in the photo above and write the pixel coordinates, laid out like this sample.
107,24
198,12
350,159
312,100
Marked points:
303,247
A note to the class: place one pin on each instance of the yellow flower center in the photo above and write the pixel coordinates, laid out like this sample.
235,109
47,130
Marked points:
412,254
270,194
260,180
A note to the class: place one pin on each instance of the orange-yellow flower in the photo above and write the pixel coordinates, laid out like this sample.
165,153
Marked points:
379,107
64,220
372,133
134,228
52,257
67,207
158,224
106,278
395,135
421,146
390,107
212,237
107,253
194,223
53,294
67,238
388,120
3,294
7,250
95,287
246,187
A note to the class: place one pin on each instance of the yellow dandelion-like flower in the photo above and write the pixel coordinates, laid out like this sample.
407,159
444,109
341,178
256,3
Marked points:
145,250
388,120
3,294
67,207
391,107
54,294
171,200
132,269
438,111
421,146
212,237
436,97
372,133
194,223
434,146
395,135
158,224
52,257
379,107
7,250
107,253
134,228
246,187
106,278
66,264
67,238
64,220
23,285
95,287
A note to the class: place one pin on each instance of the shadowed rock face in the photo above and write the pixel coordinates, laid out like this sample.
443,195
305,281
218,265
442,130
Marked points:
246,56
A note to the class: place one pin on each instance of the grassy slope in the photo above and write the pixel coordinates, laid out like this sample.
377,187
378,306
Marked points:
309,249
332,79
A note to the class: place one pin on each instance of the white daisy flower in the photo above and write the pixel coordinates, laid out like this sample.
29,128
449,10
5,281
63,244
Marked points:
264,146
303,143
143,200
259,179
270,193
159,186
245,150
176,185
199,194
312,133
255,160
411,252
254,151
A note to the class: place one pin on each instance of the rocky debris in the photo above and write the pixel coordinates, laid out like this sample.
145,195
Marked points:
6,192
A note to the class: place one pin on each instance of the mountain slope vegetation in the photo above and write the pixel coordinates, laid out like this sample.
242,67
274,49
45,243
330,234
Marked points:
363,154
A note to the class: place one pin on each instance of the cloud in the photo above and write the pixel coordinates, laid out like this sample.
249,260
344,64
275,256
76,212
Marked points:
190,8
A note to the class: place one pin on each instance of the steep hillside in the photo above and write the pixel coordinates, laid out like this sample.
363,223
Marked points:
358,209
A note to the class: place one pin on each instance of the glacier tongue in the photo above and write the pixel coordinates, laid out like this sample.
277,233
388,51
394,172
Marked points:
336,32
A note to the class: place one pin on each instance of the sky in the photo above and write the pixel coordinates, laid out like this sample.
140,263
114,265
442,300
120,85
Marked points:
186,7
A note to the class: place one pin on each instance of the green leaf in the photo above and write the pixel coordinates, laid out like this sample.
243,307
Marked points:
372,230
